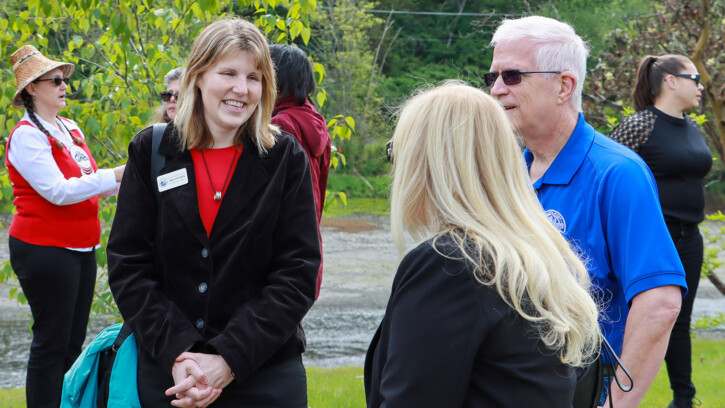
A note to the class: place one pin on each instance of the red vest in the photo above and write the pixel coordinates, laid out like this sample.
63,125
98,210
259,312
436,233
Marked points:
39,222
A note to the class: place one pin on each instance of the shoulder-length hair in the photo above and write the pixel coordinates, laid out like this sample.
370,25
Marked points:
458,171
215,42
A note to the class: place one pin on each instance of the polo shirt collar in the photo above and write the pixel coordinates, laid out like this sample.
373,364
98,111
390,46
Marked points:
570,157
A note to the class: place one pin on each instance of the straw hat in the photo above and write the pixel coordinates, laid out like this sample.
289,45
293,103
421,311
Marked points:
29,64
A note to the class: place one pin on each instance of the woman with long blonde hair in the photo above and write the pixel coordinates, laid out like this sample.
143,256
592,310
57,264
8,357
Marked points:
491,308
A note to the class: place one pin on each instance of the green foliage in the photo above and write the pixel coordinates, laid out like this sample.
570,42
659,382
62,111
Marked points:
121,50
358,206
359,187
342,43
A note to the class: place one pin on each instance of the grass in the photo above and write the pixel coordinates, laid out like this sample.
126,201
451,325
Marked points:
343,387
335,387
357,206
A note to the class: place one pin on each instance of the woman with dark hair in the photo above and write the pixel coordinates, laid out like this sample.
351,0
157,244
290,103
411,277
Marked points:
170,97
55,231
295,114
673,147
215,274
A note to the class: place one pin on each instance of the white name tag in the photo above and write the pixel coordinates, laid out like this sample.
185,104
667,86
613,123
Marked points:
172,180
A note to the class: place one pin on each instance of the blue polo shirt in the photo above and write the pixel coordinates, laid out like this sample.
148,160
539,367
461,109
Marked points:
603,198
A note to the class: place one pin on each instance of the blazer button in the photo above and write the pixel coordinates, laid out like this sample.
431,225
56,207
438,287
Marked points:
204,253
202,287
199,324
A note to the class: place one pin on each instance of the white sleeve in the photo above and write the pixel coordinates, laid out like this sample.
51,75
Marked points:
31,155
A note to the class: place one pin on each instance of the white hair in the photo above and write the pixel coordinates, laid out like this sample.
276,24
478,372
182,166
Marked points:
559,48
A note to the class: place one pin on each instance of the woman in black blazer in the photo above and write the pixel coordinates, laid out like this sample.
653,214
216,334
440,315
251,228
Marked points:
491,309
215,277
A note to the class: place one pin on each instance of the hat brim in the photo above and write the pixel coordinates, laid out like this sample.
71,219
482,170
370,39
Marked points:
67,71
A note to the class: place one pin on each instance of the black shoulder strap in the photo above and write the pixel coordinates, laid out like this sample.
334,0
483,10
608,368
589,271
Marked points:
157,160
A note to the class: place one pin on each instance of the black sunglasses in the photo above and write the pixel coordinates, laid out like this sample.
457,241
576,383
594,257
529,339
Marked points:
166,95
56,80
389,151
694,77
511,76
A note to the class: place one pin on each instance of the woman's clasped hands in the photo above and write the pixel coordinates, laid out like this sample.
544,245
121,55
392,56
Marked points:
198,379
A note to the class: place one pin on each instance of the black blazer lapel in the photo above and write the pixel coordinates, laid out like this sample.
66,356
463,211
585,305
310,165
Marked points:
184,197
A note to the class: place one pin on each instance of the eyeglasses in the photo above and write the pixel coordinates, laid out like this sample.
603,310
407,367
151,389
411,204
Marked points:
166,95
694,77
56,80
510,76
389,151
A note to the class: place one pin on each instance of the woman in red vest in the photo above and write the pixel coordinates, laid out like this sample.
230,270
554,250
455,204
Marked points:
55,231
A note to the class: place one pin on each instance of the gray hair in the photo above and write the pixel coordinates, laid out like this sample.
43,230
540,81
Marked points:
175,73
558,47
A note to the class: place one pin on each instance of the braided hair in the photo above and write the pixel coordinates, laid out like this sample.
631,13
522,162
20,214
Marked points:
30,106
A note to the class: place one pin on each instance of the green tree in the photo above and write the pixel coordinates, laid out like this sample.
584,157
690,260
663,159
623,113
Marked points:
342,43
121,49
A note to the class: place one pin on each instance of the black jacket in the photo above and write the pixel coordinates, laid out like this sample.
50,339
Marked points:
241,292
448,341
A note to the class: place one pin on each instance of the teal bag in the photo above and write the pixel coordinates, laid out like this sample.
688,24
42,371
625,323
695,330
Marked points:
81,385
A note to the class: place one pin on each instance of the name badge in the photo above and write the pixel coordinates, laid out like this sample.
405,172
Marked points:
172,180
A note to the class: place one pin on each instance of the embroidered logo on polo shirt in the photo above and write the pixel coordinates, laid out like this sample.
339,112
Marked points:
556,219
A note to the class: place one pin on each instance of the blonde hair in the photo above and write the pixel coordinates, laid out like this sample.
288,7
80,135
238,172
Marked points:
215,42
458,171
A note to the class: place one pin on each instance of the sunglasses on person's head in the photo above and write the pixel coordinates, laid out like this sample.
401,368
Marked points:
694,77
166,95
56,80
389,151
511,76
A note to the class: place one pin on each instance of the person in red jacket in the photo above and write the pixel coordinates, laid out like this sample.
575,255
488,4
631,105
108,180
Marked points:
295,114
55,231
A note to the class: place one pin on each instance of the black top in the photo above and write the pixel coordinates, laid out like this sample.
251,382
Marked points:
240,292
675,151
448,341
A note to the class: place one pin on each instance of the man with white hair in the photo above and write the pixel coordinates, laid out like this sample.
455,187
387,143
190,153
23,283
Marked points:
598,193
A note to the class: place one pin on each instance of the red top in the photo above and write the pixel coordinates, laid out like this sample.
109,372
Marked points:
38,221
220,162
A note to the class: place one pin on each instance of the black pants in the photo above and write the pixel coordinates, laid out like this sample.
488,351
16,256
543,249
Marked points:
688,242
59,286
283,385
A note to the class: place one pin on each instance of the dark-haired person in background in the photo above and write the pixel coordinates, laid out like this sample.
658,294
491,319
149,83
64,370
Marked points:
295,114
673,147
55,231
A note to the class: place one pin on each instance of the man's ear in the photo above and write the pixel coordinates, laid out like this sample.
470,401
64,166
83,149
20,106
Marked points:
568,84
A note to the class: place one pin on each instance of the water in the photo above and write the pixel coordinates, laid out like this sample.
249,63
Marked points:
359,264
